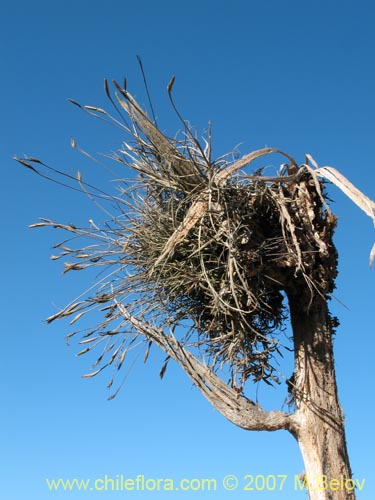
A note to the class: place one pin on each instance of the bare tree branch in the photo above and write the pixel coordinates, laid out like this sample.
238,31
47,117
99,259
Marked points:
238,409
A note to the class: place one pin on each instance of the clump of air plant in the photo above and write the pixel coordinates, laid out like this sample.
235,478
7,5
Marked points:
199,244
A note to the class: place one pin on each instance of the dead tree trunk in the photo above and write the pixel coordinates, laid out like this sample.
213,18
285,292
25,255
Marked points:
320,433
223,251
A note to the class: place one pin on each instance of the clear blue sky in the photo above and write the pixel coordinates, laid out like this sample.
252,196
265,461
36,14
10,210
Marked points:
293,75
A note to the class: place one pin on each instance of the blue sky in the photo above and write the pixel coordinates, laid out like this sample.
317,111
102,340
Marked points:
294,75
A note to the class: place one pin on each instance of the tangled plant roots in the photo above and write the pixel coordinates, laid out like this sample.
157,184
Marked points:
198,243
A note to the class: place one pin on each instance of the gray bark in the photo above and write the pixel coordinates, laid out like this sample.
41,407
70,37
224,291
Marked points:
320,431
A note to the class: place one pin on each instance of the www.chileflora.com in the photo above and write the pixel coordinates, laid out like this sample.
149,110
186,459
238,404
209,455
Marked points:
229,482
